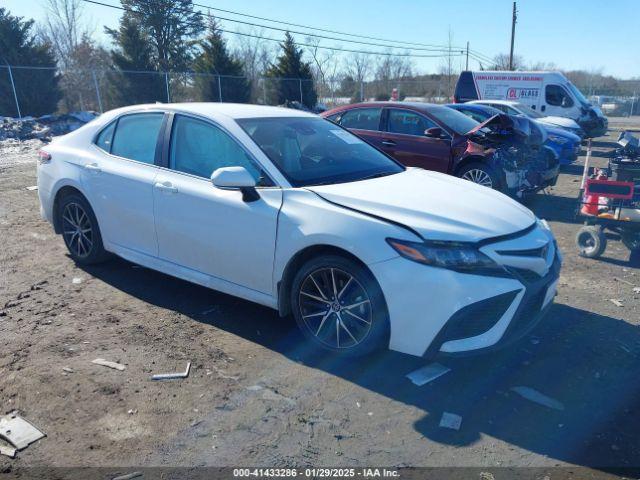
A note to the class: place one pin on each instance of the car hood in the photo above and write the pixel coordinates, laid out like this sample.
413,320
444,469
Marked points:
435,205
560,121
561,133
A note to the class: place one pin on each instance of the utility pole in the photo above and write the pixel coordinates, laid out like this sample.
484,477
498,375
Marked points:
467,66
513,34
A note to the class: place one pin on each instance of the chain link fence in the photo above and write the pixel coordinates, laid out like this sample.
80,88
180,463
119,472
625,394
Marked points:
24,92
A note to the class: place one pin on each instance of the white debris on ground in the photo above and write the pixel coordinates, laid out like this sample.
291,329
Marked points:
44,127
451,421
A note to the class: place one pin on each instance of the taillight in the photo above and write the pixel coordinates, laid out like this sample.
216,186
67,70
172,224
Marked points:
43,157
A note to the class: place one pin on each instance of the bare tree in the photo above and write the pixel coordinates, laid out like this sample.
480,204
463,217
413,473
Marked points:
64,28
448,68
358,67
256,56
501,62
324,67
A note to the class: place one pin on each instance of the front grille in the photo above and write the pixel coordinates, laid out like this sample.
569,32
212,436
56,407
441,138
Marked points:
531,252
478,317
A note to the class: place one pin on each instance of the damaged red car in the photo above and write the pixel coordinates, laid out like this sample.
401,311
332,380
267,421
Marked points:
502,153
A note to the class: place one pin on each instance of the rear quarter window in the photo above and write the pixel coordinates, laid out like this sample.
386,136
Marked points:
105,137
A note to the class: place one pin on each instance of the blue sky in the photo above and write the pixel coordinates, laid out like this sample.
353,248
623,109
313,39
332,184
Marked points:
573,34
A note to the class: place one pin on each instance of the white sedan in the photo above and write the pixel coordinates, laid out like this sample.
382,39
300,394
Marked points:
283,208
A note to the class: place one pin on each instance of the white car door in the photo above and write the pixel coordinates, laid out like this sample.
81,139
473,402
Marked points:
119,177
557,101
208,229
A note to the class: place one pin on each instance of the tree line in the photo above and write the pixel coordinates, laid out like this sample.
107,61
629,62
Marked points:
159,36
152,38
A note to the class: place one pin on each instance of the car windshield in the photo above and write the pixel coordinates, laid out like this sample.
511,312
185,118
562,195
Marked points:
313,151
453,119
528,111
578,94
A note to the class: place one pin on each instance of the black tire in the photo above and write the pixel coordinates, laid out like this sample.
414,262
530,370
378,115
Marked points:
481,174
80,230
317,317
591,241
631,240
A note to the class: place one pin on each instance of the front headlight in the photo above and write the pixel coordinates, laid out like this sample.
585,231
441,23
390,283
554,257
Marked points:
557,139
452,255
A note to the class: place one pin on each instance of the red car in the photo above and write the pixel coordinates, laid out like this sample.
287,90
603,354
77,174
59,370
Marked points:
435,137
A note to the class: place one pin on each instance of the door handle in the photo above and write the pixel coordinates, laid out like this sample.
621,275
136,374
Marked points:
166,187
389,143
543,108
93,167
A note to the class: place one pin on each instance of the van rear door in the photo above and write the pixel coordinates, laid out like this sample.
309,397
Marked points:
465,89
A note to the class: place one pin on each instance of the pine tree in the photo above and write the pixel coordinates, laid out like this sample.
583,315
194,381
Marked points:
37,89
214,60
171,28
292,76
133,57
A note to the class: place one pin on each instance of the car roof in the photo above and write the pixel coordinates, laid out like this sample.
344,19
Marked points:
481,107
420,106
497,102
211,109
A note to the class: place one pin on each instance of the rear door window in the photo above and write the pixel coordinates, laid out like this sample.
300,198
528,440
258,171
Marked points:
408,123
362,118
136,136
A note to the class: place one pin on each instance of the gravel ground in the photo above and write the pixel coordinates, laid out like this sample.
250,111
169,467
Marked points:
255,396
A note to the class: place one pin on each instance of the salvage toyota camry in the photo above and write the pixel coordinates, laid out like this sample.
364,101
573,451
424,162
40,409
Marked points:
289,210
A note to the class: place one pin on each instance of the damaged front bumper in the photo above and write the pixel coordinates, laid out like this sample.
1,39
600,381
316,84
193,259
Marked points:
527,172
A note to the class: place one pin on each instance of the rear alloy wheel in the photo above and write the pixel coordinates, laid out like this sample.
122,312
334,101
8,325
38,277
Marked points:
80,230
480,174
338,306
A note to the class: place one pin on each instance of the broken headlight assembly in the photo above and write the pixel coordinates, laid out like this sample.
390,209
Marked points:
451,255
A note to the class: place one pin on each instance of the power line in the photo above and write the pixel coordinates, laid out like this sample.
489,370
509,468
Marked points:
324,29
453,53
431,49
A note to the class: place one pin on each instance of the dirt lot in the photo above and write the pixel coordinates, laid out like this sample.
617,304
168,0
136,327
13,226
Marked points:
255,396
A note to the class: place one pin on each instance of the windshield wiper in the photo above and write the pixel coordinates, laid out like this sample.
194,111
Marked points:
373,175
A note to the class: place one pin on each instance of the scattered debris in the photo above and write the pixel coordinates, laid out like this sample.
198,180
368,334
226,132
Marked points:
76,280
8,451
427,373
67,369
215,308
616,279
132,411
616,302
128,476
486,476
17,431
451,420
43,127
107,363
170,376
537,397
636,290
32,188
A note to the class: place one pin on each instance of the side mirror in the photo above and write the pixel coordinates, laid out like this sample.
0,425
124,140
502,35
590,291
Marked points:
433,132
236,178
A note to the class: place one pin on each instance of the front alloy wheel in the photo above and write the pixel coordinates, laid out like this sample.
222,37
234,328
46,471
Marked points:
335,308
339,306
478,176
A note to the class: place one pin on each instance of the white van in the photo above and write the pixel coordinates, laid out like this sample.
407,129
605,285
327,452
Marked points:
549,93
